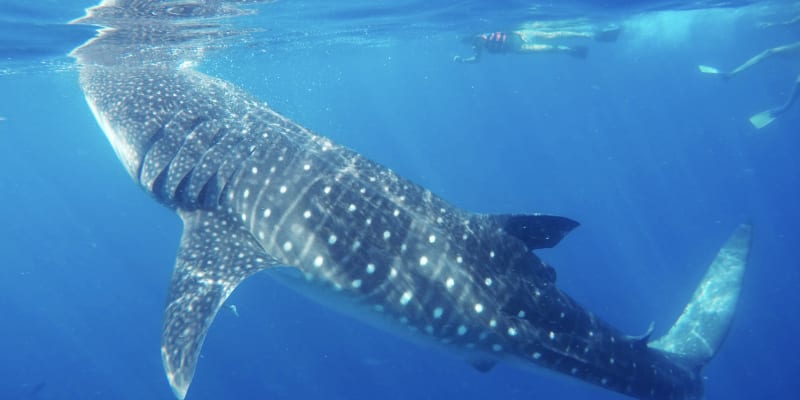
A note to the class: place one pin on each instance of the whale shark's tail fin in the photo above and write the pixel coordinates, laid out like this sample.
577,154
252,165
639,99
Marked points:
701,329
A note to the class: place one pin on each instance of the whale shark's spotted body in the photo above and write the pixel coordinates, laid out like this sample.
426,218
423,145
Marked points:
256,190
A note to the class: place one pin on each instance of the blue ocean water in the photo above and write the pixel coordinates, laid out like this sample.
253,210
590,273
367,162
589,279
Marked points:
656,160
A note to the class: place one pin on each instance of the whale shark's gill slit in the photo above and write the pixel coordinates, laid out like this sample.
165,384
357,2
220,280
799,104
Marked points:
209,194
159,188
162,150
211,169
237,168
148,147
234,148
171,162
216,139
181,192
188,170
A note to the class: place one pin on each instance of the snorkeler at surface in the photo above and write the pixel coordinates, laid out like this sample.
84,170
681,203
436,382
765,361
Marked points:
522,42
764,118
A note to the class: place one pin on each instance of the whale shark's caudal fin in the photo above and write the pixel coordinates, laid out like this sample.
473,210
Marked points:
215,255
701,329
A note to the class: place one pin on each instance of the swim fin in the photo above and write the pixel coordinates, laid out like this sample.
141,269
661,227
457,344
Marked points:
762,119
707,70
725,75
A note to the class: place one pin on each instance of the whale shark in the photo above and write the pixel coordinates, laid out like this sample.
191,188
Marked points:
256,191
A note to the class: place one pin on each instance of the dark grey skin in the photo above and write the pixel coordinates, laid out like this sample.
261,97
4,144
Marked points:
256,190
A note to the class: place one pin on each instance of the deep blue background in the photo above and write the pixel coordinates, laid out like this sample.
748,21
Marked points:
657,161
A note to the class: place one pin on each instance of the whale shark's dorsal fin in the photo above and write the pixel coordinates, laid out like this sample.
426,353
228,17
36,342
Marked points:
215,255
536,231
704,323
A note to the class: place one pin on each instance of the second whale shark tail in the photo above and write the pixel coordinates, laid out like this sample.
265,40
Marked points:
702,327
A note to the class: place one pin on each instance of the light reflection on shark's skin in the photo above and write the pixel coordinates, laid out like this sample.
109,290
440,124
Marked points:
256,190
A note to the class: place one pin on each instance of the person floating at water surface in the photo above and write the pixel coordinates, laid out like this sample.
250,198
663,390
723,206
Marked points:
764,118
523,42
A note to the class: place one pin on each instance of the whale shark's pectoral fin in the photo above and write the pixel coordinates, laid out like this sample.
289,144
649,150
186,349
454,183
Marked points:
537,231
215,255
701,329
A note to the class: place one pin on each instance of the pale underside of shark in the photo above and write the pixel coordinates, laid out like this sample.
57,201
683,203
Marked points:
255,190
